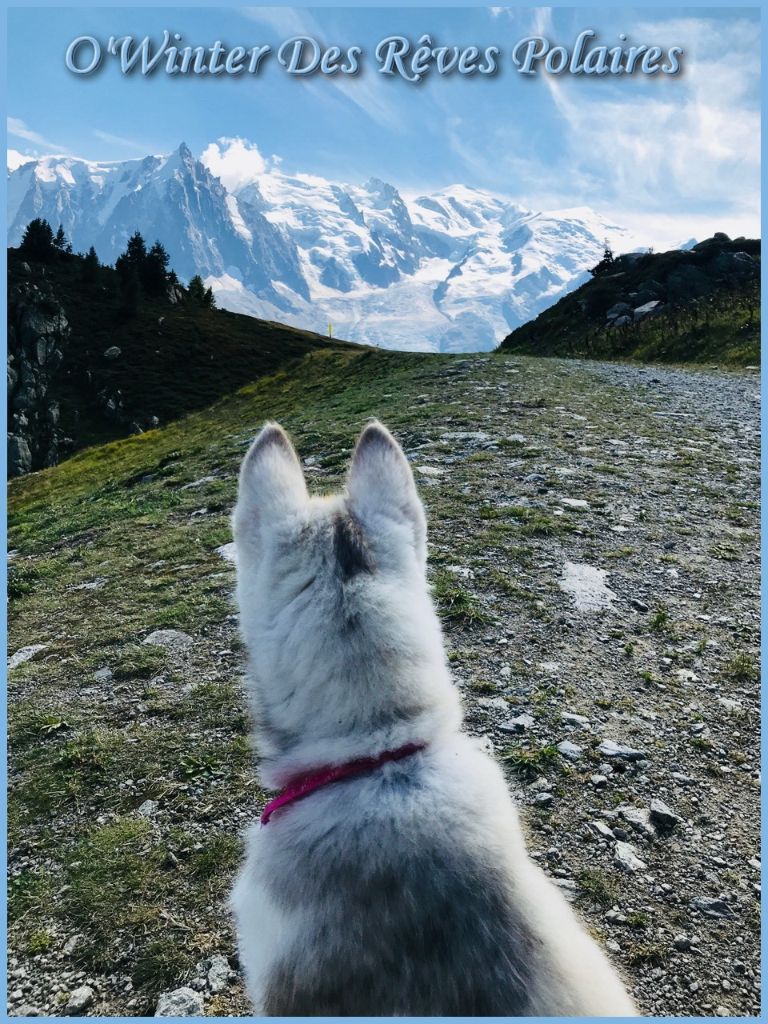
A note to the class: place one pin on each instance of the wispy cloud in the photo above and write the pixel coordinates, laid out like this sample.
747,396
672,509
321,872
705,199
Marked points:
364,92
19,130
120,140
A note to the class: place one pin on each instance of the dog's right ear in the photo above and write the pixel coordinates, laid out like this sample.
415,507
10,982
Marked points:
272,483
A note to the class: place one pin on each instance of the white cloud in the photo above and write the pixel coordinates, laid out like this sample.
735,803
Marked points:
237,162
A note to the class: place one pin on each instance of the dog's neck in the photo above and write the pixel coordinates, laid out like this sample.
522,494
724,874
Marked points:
279,767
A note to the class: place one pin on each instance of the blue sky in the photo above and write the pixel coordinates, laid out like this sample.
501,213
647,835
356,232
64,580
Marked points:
670,157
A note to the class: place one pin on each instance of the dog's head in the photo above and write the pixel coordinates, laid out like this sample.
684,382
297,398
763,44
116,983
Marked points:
334,603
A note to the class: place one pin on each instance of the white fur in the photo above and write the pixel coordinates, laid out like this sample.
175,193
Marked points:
324,693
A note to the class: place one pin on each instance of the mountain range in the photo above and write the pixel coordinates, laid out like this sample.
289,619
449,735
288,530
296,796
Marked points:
454,270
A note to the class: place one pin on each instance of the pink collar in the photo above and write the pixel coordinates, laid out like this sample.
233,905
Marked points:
303,785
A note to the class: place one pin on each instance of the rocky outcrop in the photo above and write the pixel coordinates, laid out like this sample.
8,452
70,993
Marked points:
698,273
38,333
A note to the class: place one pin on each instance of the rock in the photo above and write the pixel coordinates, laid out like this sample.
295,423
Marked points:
647,309
712,907
587,586
72,944
103,675
19,456
430,471
682,942
228,552
618,310
113,352
599,828
172,639
25,654
79,1000
662,816
624,857
608,748
639,818
182,1002
476,436
219,973
621,321
518,724
598,781
148,809
571,751
26,1010
543,799
575,503
569,718
729,704
639,606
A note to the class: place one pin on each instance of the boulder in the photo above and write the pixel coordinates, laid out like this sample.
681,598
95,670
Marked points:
647,309
619,309
182,1002
113,352
19,456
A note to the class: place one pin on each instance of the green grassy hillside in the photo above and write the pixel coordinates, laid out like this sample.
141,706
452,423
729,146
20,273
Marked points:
708,309
174,356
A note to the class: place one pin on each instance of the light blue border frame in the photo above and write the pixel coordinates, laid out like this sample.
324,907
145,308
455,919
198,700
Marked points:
629,5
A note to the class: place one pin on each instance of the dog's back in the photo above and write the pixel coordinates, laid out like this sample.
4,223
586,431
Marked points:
403,890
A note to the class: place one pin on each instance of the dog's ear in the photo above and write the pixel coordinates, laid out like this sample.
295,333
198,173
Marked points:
381,487
272,483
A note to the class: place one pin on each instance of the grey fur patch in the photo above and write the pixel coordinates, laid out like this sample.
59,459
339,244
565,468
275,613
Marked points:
402,922
350,548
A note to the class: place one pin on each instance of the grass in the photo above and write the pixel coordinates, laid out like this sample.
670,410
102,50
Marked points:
597,887
455,603
533,761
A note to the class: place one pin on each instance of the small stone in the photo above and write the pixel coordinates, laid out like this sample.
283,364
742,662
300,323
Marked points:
80,999
569,718
25,1010
662,816
113,352
172,639
219,973
543,799
571,751
638,817
518,724
598,781
228,552
682,942
72,944
148,809
712,907
601,829
624,857
25,654
182,1002
430,471
609,748
103,675
638,605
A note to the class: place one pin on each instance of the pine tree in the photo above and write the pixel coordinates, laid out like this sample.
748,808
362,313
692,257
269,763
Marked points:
90,265
154,273
209,299
38,241
196,289
134,257
60,241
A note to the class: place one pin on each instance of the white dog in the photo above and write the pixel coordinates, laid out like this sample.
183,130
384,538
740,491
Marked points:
390,877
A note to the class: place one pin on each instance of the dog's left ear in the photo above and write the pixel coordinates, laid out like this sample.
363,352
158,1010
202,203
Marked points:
272,484
381,487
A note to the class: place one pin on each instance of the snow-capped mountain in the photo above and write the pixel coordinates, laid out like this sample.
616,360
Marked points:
451,271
